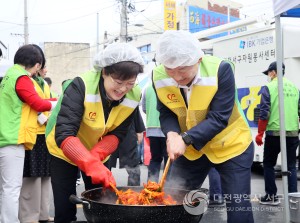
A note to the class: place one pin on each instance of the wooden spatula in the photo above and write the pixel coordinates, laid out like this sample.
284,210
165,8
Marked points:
164,176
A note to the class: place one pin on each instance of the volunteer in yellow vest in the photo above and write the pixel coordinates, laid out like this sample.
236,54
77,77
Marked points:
203,121
269,122
36,187
20,105
93,117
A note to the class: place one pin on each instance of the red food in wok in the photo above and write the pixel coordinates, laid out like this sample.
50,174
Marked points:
150,195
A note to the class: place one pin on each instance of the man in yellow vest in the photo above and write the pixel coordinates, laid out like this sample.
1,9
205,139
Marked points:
202,119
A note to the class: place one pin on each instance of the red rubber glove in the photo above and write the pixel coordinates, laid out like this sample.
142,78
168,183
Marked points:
78,154
105,147
262,125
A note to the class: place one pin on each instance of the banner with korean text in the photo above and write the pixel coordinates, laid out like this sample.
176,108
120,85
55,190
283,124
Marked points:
170,21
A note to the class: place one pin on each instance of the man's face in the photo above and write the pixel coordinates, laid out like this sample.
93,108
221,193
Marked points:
183,75
272,74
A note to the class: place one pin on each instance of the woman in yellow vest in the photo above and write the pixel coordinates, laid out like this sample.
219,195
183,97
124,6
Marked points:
92,118
36,187
203,121
20,105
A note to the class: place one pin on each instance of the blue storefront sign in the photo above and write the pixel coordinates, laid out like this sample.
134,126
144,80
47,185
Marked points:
201,19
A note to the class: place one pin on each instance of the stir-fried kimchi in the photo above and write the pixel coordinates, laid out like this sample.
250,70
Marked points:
150,195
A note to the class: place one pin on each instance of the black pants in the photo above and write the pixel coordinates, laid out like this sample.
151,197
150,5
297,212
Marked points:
63,180
158,150
235,181
271,151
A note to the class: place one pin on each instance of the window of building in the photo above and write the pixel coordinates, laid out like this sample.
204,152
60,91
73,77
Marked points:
145,49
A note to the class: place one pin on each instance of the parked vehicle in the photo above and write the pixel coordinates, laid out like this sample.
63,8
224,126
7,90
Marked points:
251,52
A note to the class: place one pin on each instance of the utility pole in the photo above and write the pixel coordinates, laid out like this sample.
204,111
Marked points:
105,40
228,16
97,42
25,23
123,33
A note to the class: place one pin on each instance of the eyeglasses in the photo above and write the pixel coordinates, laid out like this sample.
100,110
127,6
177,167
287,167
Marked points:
120,84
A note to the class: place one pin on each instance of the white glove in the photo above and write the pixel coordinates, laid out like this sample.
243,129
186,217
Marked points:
42,119
53,104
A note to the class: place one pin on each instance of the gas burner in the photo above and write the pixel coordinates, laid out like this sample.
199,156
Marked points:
78,221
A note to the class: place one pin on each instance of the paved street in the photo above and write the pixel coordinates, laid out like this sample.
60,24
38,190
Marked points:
262,213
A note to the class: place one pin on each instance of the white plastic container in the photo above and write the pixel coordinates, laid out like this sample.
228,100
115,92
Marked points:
294,204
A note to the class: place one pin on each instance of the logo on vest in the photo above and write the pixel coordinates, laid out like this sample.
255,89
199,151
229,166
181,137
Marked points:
172,98
92,116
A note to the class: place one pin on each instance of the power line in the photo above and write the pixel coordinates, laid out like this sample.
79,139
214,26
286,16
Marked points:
95,46
65,21
19,24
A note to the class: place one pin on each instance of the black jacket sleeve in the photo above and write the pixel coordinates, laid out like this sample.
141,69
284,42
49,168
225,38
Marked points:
138,122
71,111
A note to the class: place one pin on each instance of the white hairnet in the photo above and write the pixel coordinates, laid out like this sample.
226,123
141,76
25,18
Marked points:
177,48
115,53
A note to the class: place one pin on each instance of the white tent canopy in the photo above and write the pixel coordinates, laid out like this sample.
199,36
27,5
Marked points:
280,6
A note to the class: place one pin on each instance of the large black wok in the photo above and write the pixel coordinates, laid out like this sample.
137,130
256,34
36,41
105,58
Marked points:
99,206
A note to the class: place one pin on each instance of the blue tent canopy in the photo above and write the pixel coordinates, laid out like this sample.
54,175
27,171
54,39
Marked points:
295,12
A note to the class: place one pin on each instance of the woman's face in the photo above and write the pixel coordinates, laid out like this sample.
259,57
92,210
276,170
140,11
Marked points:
115,88
43,72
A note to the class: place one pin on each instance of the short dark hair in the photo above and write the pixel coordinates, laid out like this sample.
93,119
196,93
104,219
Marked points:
28,56
124,70
48,80
41,51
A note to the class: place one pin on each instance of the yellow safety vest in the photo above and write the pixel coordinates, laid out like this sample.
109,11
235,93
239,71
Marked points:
45,95
93,125
230,142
